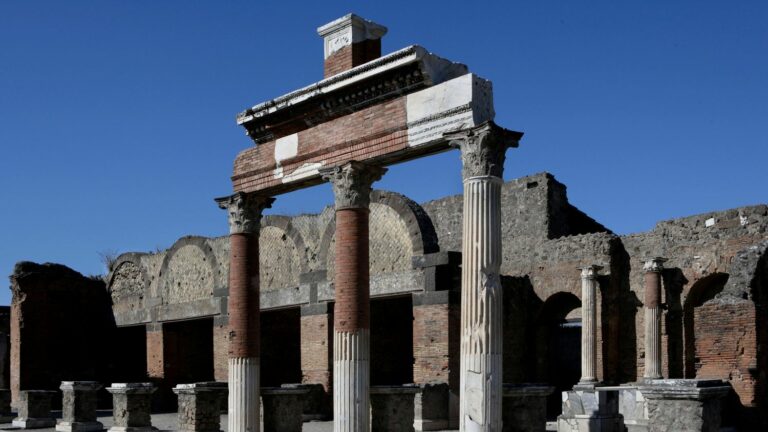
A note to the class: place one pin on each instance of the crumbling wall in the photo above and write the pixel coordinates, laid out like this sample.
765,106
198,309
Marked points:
61,328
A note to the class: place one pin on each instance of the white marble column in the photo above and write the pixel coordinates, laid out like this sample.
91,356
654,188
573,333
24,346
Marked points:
482,151
351,327
589,276
652,305
244,213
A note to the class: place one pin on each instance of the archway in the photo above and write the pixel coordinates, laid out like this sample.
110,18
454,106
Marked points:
557,338
703,290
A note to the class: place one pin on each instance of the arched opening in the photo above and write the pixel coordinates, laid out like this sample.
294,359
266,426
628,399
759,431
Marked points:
557,338
702,291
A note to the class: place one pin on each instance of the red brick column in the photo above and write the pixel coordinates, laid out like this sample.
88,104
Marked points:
244,213
351,342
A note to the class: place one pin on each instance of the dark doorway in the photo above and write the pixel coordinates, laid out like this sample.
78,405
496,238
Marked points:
557,338
280,347
188,351
392,341
128,356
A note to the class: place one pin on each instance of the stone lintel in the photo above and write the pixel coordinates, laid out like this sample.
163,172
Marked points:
436,259
428,298
322,308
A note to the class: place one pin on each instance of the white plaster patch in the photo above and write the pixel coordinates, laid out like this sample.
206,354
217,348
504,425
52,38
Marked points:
304,171
710,222
473,388
456,104
285,148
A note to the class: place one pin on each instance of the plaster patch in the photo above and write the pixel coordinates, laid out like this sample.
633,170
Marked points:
304,171
285,148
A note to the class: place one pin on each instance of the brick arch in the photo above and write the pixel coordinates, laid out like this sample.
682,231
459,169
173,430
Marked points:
300,260
128,283
194,245
420,229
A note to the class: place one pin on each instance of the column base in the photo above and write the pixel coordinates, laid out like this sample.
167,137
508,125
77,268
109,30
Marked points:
132,429
34,423
244,404
63,426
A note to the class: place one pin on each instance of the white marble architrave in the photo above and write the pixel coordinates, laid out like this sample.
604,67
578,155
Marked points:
351,381
652,306
243,400
483,151
589,276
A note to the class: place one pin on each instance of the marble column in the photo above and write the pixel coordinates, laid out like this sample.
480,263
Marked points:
244,212
652,306
483,150
589,276
351,327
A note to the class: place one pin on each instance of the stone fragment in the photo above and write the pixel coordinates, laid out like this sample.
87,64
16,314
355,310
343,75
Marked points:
131,407
79,407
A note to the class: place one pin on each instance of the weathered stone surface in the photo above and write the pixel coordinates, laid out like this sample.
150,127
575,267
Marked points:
392,408
200,406
431,407
79,407
524,408
684,405
282,408
35,409
131,407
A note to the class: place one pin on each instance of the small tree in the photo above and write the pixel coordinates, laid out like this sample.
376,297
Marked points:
108,258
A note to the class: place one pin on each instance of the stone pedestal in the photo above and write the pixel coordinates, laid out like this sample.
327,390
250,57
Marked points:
199,406
79,407
431,412
684,405
392,408
282,408
131,405
633,408
525,407
35,409
590,409
5,406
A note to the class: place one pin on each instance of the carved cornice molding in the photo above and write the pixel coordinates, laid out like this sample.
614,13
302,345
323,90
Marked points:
655,265
244,211
483,149
352,183
590,271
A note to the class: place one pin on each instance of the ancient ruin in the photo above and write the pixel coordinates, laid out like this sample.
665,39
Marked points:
504,308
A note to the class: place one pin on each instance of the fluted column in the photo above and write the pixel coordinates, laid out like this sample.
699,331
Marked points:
351,325
244,212
589,276
483,151
652,306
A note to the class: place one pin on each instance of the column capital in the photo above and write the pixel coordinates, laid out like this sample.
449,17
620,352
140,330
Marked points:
483,148
590,271
655,264
352,183
244,211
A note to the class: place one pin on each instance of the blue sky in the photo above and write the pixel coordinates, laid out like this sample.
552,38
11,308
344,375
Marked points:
117,117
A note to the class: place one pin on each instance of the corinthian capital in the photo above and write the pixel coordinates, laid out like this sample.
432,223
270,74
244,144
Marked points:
352,183
483,149
590,272
244,211
655,265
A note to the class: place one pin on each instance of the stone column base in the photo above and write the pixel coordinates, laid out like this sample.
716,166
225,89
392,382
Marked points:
63,426
282,408
392,408
34,423
684,405
431,407
132,429
524,407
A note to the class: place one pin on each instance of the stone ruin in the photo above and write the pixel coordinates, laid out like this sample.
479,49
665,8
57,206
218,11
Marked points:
551,316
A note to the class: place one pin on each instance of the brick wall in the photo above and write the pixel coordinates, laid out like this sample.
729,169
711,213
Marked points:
431,344
351,55
155,362
220,351
316,349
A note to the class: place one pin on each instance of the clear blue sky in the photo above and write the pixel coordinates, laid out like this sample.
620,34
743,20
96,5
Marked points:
117,118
